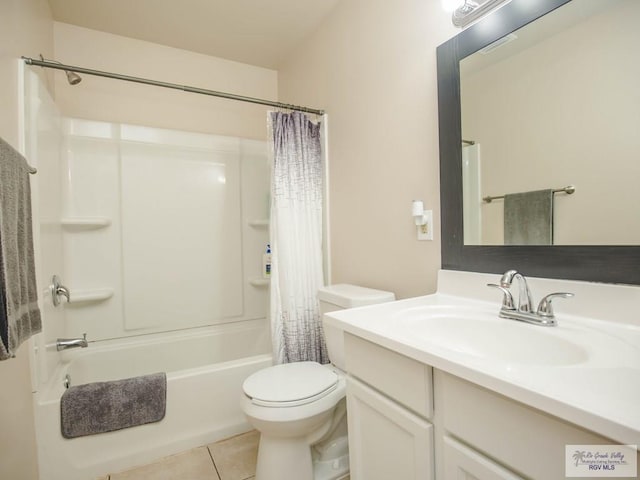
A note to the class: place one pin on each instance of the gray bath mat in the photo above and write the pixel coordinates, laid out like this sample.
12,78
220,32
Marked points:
107,406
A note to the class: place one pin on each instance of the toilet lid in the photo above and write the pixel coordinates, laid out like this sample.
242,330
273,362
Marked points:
290,384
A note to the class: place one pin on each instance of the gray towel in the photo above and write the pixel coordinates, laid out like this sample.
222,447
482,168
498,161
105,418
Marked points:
528,218
19,313
107,406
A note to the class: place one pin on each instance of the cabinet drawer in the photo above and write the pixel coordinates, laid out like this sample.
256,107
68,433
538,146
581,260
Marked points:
522,438
399,377
463,463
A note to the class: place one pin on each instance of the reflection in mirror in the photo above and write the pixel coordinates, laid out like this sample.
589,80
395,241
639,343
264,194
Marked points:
551,105
616,263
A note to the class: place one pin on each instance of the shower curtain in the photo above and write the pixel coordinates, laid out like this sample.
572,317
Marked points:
296,238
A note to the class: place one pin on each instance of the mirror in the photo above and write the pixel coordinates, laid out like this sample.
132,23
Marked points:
476,99
551,105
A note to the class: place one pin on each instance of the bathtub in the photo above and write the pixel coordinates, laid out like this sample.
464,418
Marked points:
205,370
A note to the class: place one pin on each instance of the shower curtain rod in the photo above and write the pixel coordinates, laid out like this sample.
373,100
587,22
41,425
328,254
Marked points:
175,86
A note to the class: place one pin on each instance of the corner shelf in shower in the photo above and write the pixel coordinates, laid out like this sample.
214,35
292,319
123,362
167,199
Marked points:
90,295
85,223
261,223
260,282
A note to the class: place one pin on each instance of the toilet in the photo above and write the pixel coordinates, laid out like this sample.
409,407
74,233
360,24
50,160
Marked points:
300,408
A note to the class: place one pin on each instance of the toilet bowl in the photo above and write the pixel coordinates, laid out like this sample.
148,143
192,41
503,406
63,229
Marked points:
294,407
300,408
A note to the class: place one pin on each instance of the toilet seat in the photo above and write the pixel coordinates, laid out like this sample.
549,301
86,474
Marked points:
290,384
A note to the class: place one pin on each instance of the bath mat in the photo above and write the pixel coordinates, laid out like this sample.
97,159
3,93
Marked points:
107,406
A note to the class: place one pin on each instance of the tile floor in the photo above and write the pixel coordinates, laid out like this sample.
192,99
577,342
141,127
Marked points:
230,459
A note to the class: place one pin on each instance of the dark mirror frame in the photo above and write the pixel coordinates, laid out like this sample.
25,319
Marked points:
610,264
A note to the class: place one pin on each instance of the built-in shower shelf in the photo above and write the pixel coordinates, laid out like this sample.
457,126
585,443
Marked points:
85,223
259,282
92,295
261,223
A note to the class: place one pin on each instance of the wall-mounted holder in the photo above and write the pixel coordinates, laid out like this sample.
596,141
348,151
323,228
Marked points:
423,220
85,223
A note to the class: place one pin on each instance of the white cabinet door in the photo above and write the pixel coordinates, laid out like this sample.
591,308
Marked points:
463,463
386,441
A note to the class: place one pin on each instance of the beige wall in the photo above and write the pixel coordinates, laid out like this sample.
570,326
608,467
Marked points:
568,115
372,66
98,98
25,29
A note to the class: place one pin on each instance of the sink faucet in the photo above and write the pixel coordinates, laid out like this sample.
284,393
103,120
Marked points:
525,302
542,316
65,343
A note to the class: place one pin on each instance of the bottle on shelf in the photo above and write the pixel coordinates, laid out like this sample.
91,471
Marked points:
266,262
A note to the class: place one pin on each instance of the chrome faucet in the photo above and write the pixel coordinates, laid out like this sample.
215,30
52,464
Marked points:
525,302
542,316
65,343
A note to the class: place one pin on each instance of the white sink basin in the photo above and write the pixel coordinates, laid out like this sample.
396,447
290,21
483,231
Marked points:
485,335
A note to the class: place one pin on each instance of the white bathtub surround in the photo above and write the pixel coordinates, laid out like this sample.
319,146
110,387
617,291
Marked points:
205,370
131,271
585,371
128,182
296,238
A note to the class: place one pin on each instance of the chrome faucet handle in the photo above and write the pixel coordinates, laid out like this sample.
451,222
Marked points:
57,290
507,299
64,291
545,309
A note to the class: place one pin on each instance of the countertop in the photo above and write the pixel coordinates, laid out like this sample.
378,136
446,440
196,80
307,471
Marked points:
601,393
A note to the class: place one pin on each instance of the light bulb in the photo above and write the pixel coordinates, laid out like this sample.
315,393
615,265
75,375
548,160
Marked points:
450,5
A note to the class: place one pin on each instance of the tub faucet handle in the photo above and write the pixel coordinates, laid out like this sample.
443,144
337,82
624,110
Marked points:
58,290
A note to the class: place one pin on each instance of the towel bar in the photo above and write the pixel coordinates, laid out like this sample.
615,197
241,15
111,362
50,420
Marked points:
568,190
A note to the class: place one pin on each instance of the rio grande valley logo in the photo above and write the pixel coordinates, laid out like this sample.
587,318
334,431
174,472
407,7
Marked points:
601,461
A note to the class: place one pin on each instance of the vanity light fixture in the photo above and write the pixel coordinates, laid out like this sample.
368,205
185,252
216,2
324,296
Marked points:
471,10
423,220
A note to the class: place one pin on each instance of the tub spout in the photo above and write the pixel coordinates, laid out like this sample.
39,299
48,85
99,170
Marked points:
65,343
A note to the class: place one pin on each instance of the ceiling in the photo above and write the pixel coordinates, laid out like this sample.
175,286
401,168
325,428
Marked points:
247,31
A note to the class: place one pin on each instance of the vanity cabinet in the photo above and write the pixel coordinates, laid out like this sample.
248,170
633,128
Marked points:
389,434
523,439
410,421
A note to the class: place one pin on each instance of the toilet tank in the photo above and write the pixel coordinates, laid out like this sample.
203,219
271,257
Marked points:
340,297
